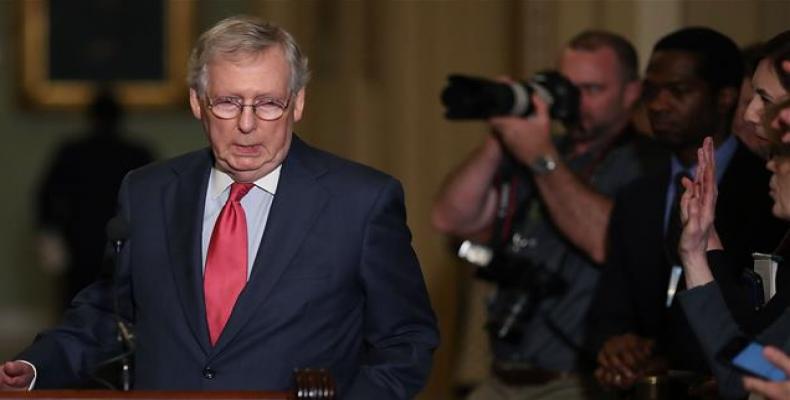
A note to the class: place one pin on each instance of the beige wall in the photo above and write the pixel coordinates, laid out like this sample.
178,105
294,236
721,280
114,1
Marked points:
378,69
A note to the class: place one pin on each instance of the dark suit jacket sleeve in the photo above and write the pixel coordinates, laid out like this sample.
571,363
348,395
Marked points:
612,311
400,328
714,327
67,355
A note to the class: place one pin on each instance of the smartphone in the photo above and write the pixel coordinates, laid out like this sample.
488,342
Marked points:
747,356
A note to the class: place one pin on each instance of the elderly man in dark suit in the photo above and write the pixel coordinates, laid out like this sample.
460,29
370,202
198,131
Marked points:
256,256
690,90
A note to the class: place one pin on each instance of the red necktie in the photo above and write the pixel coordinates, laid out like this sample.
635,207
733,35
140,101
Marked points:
226,261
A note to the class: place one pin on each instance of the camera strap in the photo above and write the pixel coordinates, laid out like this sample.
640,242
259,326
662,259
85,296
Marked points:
511,187
596,154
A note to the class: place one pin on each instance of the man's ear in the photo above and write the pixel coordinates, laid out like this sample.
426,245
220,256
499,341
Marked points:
727,99
299,105
194,103
631,93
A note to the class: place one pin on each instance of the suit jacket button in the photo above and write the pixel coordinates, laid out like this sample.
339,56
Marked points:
208,373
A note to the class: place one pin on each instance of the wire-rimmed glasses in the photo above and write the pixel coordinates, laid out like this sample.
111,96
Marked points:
267,109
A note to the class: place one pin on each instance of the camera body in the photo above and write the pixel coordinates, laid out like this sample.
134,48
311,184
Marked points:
521,283
468,97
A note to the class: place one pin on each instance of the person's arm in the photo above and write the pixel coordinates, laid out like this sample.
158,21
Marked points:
581,213
67,354
700,249
709,312
399,329
466,203
714,328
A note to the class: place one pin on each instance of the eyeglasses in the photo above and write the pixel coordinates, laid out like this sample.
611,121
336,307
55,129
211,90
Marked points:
231,107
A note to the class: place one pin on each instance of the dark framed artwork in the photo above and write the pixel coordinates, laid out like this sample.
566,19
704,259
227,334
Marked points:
71,47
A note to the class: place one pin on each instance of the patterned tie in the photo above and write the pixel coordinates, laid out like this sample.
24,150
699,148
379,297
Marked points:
226,261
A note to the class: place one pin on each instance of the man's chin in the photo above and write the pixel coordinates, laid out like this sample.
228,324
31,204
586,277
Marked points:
247,165
580,134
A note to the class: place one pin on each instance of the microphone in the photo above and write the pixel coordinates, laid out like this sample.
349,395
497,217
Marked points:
117,233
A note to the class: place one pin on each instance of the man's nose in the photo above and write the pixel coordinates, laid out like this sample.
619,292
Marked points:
247,120
584,103
659,101
753,112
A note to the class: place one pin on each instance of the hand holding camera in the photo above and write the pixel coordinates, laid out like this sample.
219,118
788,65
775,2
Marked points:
527,138
520,112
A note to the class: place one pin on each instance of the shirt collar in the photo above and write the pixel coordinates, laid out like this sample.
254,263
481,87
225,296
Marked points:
219,181
723,154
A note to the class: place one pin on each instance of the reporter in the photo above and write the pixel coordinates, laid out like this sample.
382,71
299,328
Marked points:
713,321
691,85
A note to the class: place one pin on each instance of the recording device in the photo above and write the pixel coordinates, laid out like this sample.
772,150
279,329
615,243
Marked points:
468,97
521,282
747,357
524,283
117,232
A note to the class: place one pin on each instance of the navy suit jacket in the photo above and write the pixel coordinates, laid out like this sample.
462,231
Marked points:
335,284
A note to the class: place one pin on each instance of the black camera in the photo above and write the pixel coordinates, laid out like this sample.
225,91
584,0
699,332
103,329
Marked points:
522,285
468,97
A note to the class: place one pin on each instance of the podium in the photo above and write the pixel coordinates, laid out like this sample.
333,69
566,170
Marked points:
147,395
310,384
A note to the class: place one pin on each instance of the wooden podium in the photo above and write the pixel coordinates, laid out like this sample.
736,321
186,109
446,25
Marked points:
310,384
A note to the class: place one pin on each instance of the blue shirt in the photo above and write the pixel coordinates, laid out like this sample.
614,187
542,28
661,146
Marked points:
256,204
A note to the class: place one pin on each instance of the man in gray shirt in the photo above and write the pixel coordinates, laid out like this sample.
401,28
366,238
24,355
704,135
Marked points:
563,202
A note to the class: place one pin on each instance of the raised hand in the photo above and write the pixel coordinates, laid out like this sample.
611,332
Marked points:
697,214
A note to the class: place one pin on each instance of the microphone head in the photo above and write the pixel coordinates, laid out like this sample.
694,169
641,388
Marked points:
117,229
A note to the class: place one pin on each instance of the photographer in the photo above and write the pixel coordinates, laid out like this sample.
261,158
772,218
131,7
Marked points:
562,206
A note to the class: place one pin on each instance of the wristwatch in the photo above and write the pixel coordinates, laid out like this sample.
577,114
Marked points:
543,165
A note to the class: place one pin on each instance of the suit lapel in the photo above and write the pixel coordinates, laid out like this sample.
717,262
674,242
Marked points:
297,204
184,202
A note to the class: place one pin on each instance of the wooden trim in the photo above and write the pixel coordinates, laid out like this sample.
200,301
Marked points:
39,91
